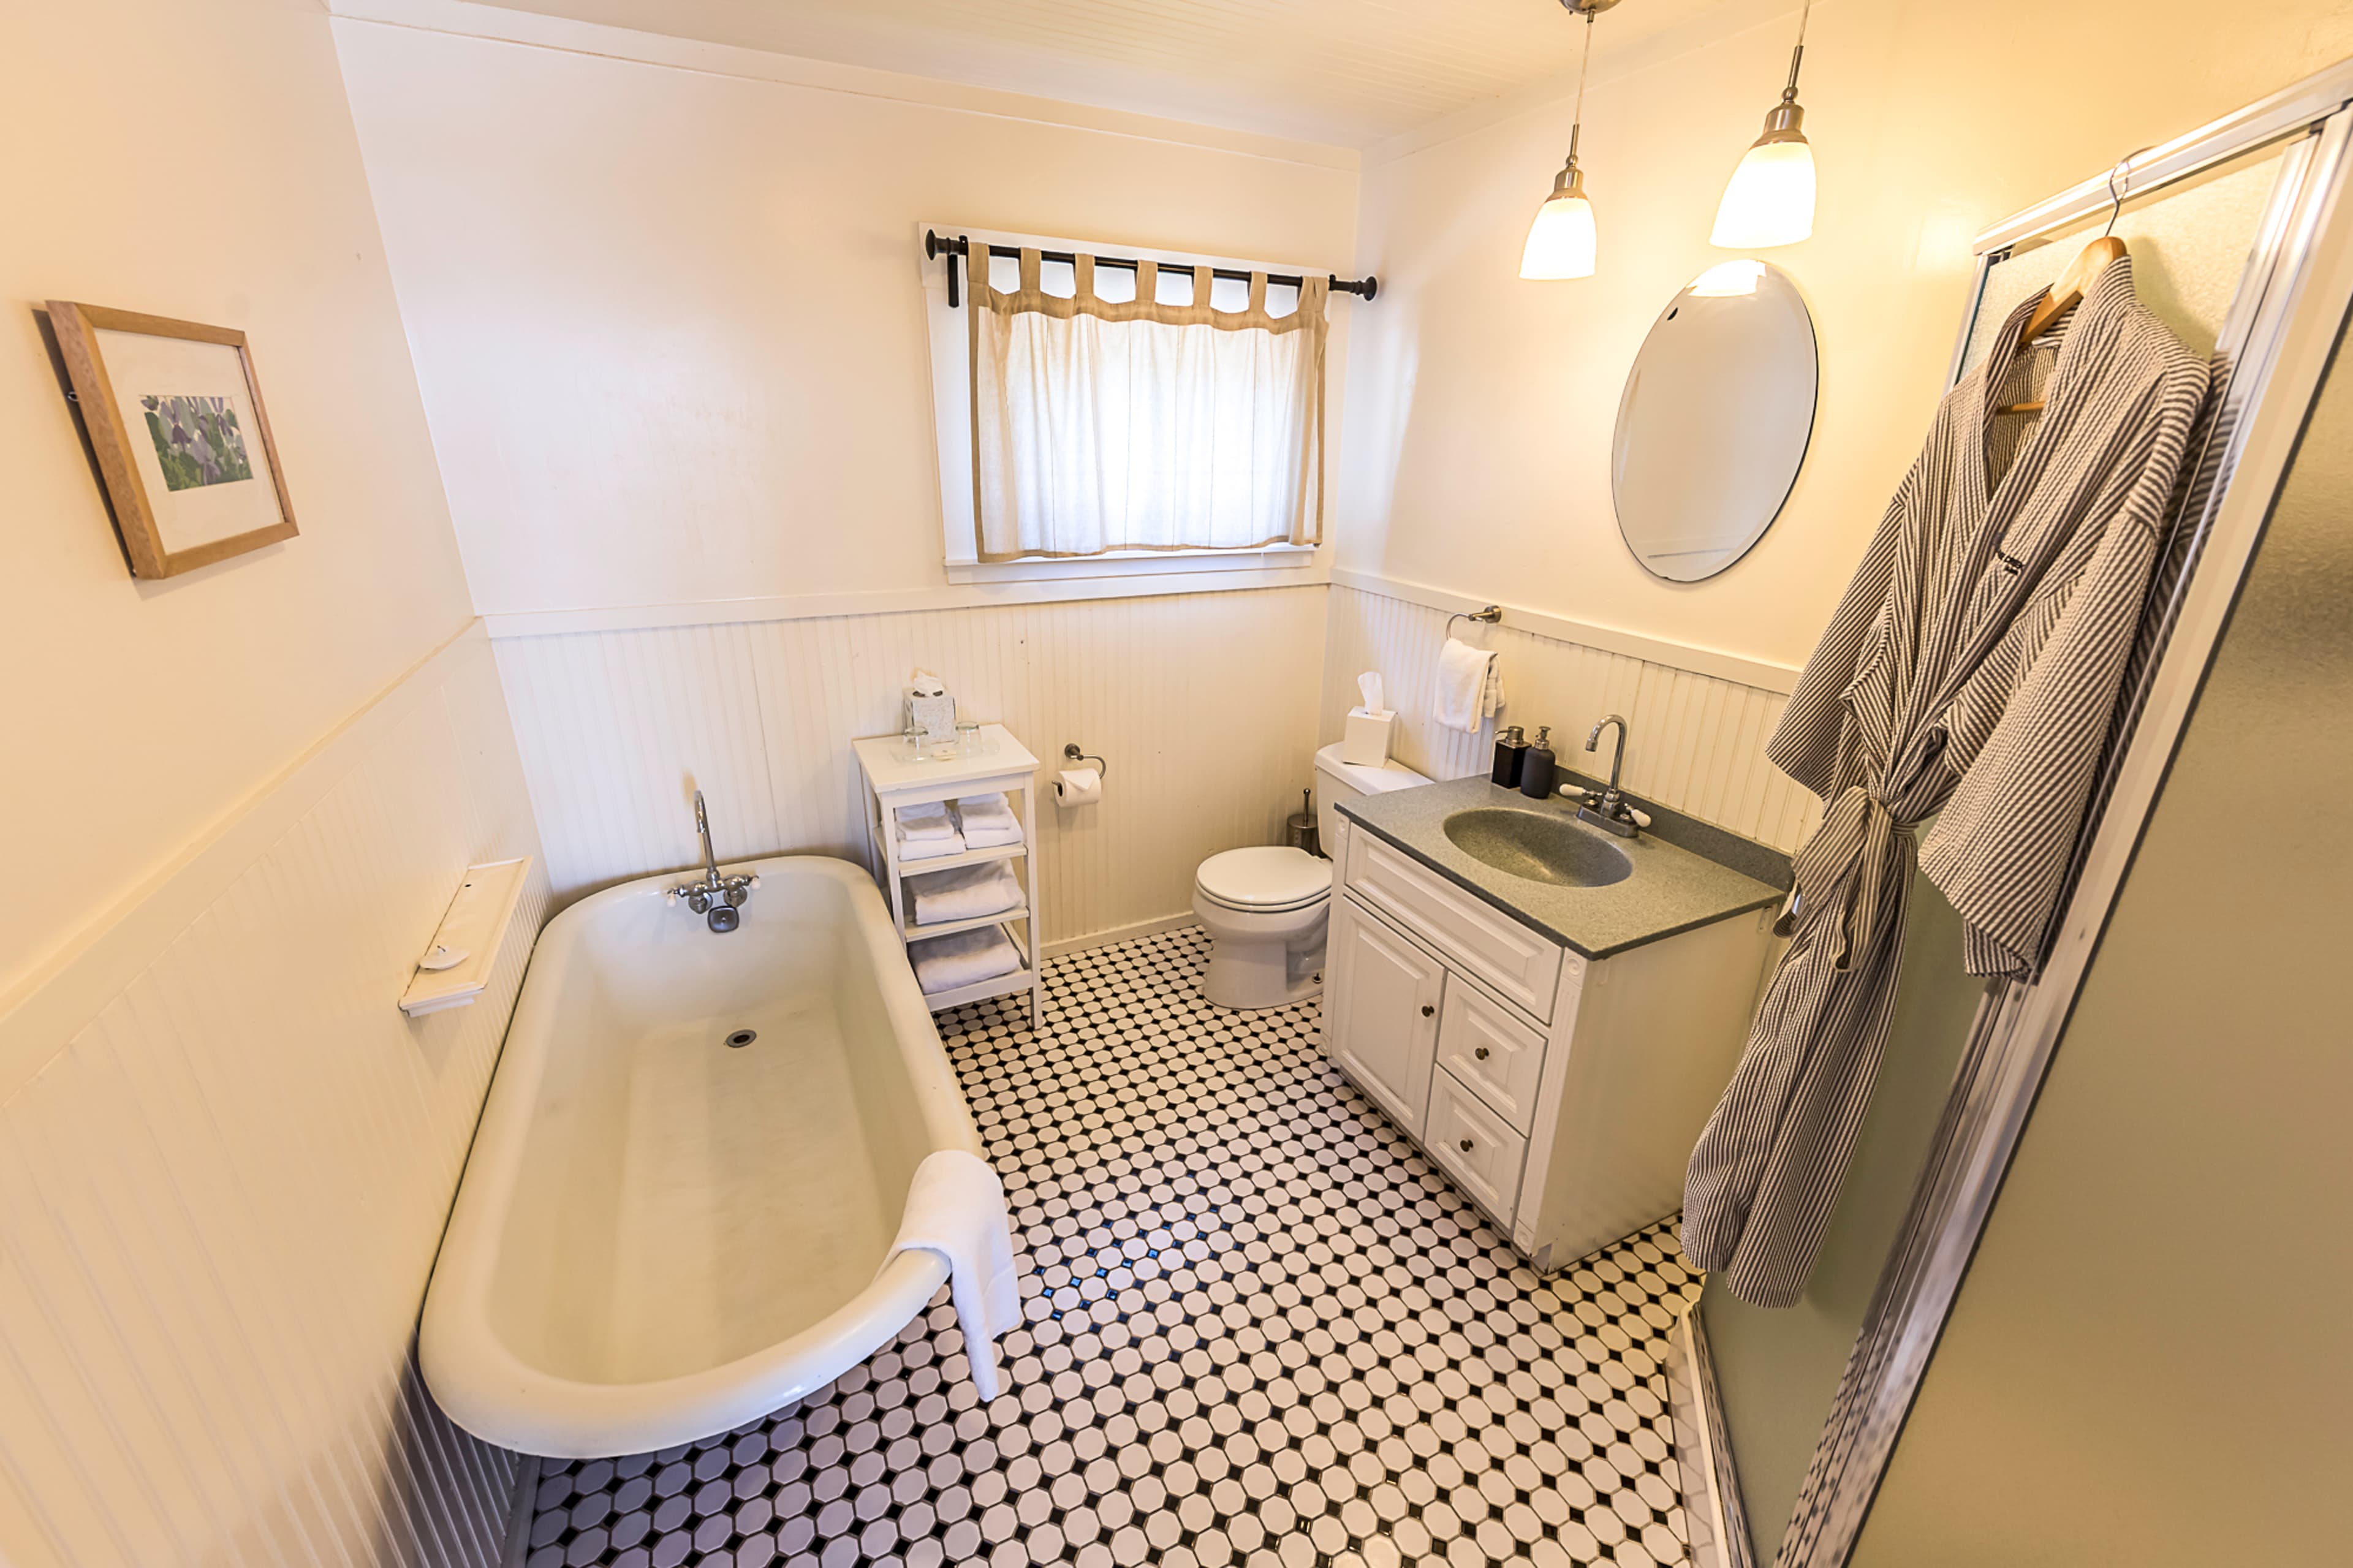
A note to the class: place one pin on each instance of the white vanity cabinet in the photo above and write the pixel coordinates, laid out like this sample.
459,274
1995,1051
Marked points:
1562,1095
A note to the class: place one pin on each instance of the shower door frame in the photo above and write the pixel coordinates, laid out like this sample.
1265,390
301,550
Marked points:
2270,354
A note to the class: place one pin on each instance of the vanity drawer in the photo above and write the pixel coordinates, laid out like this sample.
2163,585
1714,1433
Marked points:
1495,1054
1474,1145
1522,966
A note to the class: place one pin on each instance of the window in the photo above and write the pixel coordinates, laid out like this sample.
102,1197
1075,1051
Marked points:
1096,420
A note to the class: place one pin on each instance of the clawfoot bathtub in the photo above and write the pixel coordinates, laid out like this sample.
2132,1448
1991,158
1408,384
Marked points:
693,1160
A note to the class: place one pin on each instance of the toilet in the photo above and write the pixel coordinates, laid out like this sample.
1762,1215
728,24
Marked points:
1266,908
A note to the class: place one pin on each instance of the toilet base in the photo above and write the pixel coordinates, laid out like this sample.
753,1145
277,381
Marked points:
1263,960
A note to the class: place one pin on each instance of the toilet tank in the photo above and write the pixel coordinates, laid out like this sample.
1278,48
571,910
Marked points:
1336,781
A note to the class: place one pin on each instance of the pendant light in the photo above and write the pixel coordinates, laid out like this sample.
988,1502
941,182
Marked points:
1562,238
1770,200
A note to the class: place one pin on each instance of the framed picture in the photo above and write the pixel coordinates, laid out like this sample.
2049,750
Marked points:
174,415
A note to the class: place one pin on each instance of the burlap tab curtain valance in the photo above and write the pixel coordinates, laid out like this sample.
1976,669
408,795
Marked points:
1101,426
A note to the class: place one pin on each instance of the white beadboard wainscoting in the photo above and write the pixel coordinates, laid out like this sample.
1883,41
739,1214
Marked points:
225,1160
1204,704
1696,741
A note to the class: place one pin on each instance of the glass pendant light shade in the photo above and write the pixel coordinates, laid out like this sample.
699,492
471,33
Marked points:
1563,240
1770,200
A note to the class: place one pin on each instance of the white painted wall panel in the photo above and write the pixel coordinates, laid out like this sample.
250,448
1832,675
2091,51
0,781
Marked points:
1204,704
1697,742
222,1184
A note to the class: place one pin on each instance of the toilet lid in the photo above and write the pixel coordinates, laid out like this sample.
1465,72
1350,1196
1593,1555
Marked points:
1270,877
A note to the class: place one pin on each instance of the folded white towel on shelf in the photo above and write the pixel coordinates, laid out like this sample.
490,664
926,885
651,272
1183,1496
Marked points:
929,849
945,963
932,819
988,821
965,893
955,1209
1470,686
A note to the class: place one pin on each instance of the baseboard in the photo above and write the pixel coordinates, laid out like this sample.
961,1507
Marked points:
1711,1484
518,1547
1117,934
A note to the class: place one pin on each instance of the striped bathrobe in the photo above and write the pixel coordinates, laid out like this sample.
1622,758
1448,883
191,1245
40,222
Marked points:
1971,669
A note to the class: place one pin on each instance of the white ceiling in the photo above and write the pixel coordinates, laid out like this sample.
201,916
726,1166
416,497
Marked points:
1347,73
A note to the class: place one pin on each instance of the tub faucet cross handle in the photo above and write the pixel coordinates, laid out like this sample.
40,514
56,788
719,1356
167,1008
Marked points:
718,899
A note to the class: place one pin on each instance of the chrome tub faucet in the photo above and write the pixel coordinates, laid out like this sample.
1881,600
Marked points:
1613,814
718,899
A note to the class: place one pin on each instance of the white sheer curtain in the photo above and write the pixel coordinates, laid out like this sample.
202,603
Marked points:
1102,425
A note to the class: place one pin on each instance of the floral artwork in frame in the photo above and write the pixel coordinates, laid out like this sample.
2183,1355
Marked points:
175,417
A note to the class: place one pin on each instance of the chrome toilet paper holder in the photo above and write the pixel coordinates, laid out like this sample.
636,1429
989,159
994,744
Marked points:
1072,752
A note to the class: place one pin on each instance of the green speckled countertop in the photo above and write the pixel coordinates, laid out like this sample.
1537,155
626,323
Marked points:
1672,889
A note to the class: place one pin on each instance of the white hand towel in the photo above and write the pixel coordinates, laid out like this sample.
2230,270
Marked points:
955,1209
1469,687
964,893
929,820
929,849
945,963
988,821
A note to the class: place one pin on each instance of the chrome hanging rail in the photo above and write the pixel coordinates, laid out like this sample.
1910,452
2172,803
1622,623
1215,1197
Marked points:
935,247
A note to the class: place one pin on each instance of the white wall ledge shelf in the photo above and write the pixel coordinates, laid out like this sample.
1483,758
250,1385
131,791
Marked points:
475,928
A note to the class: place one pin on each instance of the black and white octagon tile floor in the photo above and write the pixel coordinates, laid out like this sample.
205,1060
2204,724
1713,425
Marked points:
1261,1329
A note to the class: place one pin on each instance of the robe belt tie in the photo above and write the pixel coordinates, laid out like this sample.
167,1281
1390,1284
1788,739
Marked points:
1850,873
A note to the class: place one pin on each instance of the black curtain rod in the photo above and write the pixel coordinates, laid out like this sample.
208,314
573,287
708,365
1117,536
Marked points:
935,248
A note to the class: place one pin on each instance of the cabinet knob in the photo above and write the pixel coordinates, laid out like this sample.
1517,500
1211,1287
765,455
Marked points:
1427,1009
1466,1145
1481,1053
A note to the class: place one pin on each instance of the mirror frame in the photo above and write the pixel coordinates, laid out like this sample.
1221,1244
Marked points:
1805,448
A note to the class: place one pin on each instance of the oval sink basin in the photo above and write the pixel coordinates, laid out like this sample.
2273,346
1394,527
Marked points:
1539,848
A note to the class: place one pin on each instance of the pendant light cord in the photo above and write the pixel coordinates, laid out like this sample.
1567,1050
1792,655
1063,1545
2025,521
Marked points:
1584,60
1790,93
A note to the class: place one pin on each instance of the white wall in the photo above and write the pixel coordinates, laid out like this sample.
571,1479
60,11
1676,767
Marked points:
1481,407
224,1157
224,1162
1695,741
1203,704
669,324
195,161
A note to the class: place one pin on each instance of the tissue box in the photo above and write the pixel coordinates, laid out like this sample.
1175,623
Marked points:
1367,739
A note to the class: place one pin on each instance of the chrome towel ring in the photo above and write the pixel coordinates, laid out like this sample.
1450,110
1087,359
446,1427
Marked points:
1492,615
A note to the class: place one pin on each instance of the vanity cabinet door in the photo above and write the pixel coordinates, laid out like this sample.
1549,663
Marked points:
1381,998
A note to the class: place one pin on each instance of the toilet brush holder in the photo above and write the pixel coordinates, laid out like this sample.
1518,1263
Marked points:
1299,827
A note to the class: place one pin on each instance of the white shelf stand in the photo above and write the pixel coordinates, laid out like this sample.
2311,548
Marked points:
895,781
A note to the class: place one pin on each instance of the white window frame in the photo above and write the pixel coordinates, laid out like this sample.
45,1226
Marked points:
950,347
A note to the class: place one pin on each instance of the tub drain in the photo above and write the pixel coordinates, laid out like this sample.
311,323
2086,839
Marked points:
741,1039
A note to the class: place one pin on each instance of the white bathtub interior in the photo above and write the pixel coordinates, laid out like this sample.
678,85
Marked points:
680,1203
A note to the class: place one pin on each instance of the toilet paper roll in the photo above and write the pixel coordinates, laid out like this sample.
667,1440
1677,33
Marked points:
1079,787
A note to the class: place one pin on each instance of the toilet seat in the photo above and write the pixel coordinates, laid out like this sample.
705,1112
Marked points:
1264,880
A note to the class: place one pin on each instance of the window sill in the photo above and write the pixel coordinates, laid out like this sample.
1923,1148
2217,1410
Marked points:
1134,563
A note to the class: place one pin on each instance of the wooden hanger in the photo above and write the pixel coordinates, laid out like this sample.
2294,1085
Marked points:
2064,296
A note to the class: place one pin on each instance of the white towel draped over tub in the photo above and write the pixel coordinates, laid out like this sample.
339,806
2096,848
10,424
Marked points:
955,1209
1470,686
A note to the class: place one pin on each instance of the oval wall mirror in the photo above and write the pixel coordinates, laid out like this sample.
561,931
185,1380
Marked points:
1712,426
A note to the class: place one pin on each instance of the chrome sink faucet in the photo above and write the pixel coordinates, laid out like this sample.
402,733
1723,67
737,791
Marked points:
1613,814
718,899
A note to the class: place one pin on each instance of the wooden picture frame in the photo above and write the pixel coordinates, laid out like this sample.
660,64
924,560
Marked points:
189,486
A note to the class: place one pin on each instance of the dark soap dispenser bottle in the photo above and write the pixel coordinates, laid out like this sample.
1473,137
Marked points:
1537,773
1511,751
